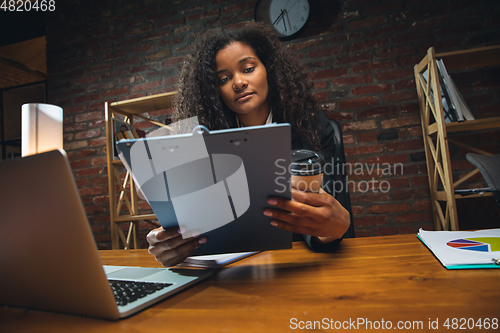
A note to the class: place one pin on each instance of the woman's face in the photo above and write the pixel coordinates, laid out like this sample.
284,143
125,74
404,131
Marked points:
243,84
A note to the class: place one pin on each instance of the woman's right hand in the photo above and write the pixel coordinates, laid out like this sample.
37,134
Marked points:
169,248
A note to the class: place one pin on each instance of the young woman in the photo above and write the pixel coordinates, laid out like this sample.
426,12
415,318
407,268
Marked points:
246,78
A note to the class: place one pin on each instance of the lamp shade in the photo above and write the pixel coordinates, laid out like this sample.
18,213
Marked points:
41,128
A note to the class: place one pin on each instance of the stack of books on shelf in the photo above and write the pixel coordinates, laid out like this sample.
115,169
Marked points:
123,130
454,106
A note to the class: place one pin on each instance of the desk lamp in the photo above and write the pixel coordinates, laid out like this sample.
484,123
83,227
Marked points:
41,128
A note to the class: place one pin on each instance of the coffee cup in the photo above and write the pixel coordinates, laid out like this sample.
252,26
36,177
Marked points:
306,170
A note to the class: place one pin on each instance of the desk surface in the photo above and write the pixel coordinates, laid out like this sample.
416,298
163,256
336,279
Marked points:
383,280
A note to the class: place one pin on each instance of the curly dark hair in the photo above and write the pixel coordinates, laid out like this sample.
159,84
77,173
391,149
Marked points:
290,95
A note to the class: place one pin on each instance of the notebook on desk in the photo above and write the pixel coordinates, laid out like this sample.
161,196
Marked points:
48,257
216,183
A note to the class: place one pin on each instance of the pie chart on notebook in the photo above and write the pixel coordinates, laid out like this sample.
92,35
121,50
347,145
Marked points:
481,244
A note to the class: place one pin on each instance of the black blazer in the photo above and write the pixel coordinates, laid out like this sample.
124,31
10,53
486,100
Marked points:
333,182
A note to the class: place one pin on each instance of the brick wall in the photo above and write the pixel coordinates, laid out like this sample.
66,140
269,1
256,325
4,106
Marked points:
360,54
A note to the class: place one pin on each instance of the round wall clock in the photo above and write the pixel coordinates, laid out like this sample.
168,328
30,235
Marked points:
286,17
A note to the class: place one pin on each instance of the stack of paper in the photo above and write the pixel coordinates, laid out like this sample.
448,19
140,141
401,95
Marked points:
215,260
464,249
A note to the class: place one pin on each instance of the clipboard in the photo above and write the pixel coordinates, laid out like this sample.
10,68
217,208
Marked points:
181,186
464,249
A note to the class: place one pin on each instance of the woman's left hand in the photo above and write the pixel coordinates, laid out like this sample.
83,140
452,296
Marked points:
314,214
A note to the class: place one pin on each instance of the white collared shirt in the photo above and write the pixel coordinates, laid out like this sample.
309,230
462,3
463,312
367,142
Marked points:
269,119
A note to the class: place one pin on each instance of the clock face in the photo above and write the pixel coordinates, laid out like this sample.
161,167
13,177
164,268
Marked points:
287,17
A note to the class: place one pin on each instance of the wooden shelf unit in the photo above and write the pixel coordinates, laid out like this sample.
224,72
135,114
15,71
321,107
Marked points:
123,191
435,129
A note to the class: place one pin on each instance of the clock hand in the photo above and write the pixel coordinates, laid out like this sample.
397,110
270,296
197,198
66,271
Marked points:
288,19
292,6
278,18
283,15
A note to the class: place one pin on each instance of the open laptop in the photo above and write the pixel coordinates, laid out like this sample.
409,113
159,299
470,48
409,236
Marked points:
48,257
216,183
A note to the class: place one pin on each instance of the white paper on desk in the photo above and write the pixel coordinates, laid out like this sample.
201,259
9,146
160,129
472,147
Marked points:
438,241
216,260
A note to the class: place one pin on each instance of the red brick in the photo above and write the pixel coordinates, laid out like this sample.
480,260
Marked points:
353,59
358,102
103,199
86,79
394,208
90,191
303,45
357,210
100,86
79,163
172,22
137,31
82,182
234,8
405,145
89,172
326,52
87,134
125,62
360,150
158,55
88,116
382,111
348,139
116,73
422,205
146,86
320,85
321,96
359,125
369,221
362,233
414,218
142,68
172,61
114,55
115,92
86,98
368,44
360,24
399,96
340,116
85,152
141,48
396,52
100,180
99,68
390,159
369,197
395,74
411,193
126,80
74,128
200,16
354,80
396,182
74,109
385,231
401,121
330,73
367,137
98,142
364,90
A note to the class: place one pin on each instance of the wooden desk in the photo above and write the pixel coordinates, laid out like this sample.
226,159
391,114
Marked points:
389,278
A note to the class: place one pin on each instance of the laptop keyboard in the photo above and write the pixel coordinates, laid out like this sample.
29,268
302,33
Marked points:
130,291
